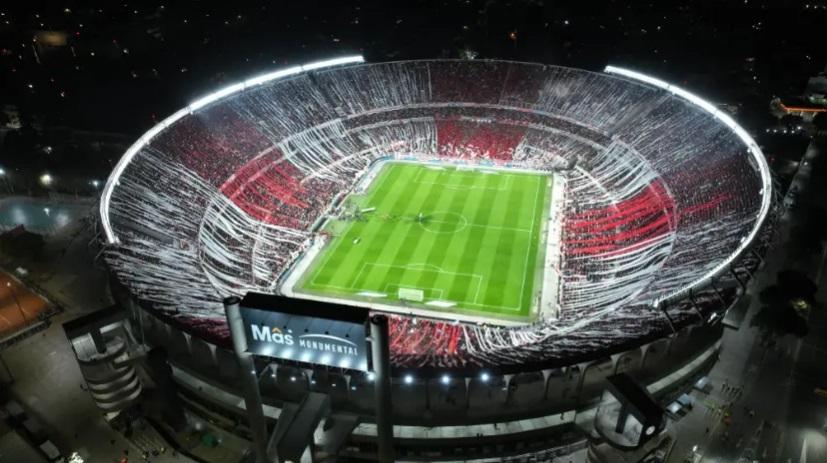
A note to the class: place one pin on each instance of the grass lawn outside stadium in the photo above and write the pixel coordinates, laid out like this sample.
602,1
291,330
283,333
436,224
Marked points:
459,242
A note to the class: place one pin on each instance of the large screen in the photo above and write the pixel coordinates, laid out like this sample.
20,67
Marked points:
306,331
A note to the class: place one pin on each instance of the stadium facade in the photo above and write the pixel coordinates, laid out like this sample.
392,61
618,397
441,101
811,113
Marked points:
667,211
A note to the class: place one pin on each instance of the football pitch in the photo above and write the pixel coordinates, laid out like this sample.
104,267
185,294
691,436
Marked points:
448,240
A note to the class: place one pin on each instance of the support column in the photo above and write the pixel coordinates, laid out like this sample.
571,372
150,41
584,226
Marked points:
737,278
507,378
621,419
97,339
380,347
249,378
467,393
694,305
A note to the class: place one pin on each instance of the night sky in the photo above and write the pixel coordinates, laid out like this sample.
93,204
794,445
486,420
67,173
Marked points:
82,79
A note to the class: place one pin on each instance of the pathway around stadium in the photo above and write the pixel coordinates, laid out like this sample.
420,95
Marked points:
47,379
775,415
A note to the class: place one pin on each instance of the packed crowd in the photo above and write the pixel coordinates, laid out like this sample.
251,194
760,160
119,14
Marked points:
224,200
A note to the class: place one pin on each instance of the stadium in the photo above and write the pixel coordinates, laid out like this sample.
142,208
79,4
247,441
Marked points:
529,229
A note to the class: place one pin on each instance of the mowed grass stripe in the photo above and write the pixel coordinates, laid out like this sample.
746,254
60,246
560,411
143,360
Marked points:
478,210
499,240
412,237
531,265
382,244
490,256
440,251
346,259
440,199
510,245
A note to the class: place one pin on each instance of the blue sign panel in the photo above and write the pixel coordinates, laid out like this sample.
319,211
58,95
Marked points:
306,331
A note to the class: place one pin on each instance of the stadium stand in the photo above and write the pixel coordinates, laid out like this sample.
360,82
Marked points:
659,193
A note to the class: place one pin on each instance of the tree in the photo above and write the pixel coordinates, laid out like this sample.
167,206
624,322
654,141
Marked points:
807,236
820,122
796,285
790,121
780,320
784,304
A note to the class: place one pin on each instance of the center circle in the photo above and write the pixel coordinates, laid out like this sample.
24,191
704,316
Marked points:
443,222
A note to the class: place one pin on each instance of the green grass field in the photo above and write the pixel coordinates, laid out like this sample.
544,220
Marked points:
478,241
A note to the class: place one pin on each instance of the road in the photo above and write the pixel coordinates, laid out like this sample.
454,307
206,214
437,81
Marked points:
763,407
46,377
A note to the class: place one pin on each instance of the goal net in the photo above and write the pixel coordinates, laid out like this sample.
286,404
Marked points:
410,294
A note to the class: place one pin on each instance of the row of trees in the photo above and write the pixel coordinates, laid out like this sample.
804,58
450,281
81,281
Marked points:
786,306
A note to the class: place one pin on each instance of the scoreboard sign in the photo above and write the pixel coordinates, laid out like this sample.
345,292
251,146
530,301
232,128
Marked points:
306,331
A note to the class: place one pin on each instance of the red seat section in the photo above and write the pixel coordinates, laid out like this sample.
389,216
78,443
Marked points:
621,227
472,139
270,189
213,143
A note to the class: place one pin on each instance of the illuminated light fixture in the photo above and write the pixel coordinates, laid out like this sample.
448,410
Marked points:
371,376
484,377
135,148
408,379
752,146
446,379
293,379
46,179
2,172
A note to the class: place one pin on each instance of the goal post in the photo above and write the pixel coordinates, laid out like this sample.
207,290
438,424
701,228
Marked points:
411,294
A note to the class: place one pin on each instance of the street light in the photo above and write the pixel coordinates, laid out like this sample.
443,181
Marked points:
46,179
4,175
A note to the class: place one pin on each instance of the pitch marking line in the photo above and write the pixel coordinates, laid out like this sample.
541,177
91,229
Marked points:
478,278
530,239
419,267
351,292
389,289
466,223
424,268
337,241
462,223
458,186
